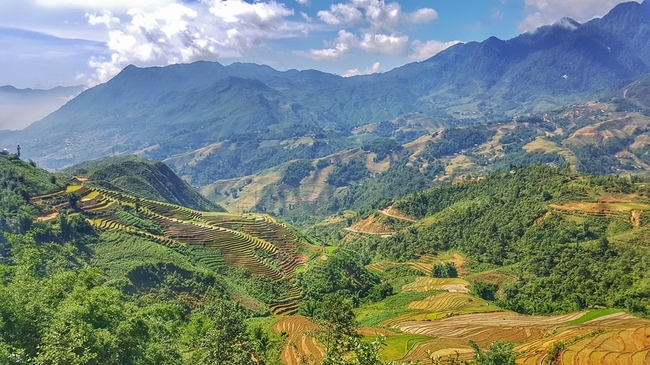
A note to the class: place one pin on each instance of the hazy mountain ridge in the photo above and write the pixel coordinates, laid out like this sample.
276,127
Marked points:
21,107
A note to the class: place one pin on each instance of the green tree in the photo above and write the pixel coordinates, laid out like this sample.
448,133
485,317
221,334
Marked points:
228,342
337,327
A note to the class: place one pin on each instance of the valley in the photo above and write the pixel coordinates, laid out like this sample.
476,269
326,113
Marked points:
425,317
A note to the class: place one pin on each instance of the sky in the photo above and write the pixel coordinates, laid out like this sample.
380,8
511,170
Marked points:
48,43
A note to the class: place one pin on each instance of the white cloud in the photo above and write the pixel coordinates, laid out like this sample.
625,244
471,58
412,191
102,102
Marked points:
395,44
343,43
424,15
422,51
379,23
304,2
375,68
177,32
341,14
542,12
105,18
305,16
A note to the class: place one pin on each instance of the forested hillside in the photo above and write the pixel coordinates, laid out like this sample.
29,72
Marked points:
73,293
144,178
571,241
98,276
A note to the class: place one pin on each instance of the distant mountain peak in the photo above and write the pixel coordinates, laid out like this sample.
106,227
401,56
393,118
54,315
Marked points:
567,23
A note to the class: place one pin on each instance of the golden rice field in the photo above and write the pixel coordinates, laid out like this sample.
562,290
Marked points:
424,283
425,263
299,344
613,339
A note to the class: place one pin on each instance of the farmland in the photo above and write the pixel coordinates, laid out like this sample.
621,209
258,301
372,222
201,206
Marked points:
421,316
255,242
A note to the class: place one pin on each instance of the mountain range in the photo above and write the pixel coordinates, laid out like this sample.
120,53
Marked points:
200,108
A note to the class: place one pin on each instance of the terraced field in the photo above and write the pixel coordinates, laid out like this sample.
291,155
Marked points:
253,241
424,283
299,344
428,317
424,264
613,339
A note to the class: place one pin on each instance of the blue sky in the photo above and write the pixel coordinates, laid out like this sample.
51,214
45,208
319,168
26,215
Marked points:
46,43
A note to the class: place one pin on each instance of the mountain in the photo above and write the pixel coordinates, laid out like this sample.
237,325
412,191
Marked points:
143,178
164,112
21,107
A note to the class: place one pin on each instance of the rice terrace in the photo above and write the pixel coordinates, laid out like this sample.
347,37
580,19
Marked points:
427,317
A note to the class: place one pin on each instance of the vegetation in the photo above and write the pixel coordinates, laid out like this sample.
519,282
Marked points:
562,264
144,178
444,270
382,147
295,172
58,307
454,140
344,174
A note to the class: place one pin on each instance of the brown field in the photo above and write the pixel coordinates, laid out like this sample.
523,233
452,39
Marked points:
392,212
485,328
546,146
372,225
48,217
589,207
423,284
425,263
299,345
613,339
460,166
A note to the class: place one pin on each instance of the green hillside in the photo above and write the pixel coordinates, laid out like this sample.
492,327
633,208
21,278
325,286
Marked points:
565,237
89,272
144,178
83,264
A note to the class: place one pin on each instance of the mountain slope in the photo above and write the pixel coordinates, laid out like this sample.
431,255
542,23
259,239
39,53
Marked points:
146,179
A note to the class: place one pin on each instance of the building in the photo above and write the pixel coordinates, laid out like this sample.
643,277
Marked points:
4,152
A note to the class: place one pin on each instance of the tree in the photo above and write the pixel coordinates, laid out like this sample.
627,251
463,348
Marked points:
444,270
337,327
228,342
499,353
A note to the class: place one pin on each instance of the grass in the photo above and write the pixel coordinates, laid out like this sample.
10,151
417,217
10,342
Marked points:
118,253
72,188
593,314
372,314
397,347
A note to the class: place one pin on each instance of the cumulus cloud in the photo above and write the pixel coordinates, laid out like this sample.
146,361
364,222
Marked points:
424,15
543,12
423,50
379,23
341,14
343,43
304,2
394,44
105,18
179,32
110,5
375,68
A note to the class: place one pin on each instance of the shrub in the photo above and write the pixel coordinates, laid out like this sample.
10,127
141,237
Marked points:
444,270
